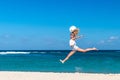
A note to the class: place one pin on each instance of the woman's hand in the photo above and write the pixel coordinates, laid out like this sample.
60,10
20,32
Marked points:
79,36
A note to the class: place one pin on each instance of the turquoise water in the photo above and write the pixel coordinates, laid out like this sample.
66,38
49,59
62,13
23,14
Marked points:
48,61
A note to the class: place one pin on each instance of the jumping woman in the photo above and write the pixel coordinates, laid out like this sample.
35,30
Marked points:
73,36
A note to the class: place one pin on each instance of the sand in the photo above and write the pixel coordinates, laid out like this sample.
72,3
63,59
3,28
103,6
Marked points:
56,76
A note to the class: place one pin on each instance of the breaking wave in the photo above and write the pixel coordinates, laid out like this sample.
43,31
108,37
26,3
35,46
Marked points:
13,52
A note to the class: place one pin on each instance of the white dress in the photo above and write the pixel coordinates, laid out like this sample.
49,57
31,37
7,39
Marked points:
73,44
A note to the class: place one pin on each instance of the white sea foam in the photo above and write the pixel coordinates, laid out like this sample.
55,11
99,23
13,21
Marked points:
42,52
13,52
78,69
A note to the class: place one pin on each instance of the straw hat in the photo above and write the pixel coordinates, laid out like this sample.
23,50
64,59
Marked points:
72,28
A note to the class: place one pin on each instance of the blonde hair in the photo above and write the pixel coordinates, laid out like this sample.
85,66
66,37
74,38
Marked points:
76,31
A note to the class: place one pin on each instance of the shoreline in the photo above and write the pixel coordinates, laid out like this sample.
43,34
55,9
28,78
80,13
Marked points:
15,75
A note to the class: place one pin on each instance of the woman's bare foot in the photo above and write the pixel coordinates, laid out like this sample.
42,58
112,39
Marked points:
61,61
95,48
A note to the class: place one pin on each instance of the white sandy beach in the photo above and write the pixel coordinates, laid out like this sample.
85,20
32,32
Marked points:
56,76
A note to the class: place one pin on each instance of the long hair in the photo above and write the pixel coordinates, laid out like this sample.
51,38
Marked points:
74,33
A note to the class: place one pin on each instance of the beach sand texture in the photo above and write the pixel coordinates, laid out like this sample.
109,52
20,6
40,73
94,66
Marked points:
56,76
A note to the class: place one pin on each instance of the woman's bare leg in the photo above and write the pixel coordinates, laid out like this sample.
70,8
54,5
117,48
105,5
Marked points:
73,51
86,50
68,56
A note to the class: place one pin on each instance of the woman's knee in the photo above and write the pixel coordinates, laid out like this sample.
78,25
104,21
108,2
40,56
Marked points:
81,50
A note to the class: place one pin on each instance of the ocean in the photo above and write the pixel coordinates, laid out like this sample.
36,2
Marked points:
102,61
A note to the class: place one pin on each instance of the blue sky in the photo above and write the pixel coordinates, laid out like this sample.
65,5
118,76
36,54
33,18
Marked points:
44,24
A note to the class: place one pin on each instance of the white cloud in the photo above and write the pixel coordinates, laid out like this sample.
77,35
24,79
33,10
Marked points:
113,38
109,40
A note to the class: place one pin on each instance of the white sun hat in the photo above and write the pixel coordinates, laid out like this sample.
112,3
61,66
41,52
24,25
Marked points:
72,28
